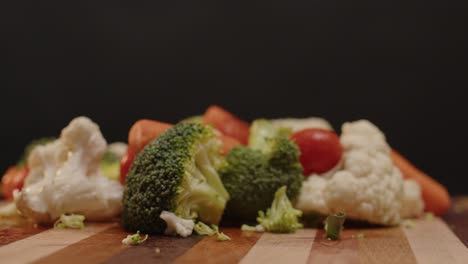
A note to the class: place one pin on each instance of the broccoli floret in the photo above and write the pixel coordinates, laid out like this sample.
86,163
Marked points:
253,174
281,217
177,173
198,119
27,150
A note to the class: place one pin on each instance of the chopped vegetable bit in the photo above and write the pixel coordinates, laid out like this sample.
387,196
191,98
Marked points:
257,228
204,230
157,250
408,223
429,216
360,236
334,225
223,237
281,217
134,239
70,221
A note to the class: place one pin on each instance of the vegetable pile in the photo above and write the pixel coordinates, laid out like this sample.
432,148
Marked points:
206,170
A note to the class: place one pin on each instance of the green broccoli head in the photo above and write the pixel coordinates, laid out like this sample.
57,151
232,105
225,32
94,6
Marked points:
253,174
177,173
198,119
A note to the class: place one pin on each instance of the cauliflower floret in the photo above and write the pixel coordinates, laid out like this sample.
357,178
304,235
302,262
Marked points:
297,124
177,225
368,186
412,204
65,177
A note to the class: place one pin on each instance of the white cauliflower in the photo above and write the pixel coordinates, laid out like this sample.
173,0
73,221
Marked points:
297,124
368,186
177,225
65,177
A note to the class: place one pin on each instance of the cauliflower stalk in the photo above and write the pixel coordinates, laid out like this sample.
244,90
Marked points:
65,177
176,225
367,186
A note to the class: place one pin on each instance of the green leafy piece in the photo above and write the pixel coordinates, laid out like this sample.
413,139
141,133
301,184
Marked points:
257,228
134,239
203,229
177,172
70,221
429,216
334,225
223,237
245,227
281,217
253,174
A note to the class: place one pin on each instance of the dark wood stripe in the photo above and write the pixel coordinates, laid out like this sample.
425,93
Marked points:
11,234
210,250
94,249
457,218
169,249
327,251
385,245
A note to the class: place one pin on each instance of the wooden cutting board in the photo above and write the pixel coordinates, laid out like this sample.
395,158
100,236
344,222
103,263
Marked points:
428,241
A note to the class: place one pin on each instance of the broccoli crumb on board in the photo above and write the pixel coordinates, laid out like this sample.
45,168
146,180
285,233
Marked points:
134,239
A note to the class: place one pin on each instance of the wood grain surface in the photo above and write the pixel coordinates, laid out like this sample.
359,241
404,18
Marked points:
428,241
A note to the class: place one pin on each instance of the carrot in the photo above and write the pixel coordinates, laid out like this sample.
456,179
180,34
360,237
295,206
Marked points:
228,143
143,132
435,195
227,123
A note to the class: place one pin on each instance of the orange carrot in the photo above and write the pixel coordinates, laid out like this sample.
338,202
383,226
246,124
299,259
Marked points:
436,197
143,132
227,123
228,143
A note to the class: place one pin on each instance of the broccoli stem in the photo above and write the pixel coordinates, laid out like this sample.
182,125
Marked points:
203,162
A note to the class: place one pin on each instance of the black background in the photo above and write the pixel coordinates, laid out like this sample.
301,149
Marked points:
400,64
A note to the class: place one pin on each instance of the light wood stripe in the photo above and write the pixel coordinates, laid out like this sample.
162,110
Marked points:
94,249
344,250
282,248
210,250
433,242
12,234
46,243
384,245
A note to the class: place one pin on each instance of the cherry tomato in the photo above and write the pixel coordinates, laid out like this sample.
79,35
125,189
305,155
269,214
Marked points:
13,179
125,164
320,149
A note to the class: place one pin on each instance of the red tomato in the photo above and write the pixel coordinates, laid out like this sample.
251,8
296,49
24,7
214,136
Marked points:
320,149
125,164
13,179
227,123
